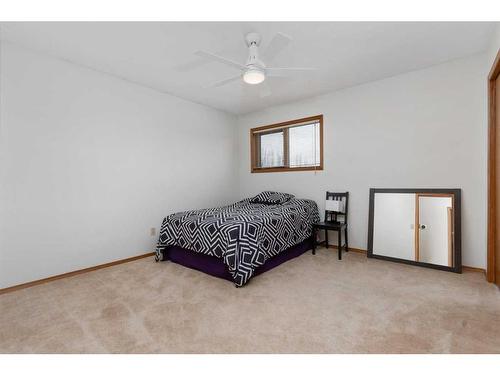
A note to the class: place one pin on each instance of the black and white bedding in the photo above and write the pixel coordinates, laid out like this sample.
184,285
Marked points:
244,234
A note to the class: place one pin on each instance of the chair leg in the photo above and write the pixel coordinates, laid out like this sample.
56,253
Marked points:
346,240
326,238
314,241
340,243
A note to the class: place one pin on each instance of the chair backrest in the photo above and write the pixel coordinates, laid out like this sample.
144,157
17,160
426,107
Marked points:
333,216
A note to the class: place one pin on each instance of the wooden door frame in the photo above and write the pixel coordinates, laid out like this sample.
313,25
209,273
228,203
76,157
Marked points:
492,160
449,212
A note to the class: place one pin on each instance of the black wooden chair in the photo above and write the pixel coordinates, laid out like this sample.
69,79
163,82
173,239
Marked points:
334,222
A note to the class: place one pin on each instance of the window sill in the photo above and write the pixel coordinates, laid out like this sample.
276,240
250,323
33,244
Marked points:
286,169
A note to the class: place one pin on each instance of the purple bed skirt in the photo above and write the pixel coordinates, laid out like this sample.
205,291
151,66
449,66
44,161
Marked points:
216,267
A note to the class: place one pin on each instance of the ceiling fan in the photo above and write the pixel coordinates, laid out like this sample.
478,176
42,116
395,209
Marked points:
254,71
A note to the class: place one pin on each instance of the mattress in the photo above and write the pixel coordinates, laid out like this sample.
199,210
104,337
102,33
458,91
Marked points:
243,235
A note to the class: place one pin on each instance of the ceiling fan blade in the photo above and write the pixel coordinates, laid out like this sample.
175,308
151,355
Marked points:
192,65
277,44
265,90
283,72
224,81
219,59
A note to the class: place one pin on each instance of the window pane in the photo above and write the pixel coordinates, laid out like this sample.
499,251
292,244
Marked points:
271,150
304,146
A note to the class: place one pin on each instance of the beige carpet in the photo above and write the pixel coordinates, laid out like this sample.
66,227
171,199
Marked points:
312,304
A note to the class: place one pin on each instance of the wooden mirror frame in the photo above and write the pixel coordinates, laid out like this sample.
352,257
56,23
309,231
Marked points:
457,237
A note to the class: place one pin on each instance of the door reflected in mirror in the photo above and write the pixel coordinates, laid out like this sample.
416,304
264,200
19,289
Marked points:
434,242
416,226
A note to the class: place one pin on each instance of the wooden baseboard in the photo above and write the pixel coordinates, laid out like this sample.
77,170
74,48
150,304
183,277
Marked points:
353,249
356,250
474,269
362,251
73,273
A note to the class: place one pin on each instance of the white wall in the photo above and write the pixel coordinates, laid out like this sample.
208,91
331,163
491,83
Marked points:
422,129
90,162
494,47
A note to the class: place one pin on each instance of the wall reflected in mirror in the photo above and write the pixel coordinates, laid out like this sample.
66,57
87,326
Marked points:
416,226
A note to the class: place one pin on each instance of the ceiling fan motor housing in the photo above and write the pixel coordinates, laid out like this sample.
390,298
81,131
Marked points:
253,42
252,38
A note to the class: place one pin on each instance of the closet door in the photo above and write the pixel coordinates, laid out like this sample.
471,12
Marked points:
434,229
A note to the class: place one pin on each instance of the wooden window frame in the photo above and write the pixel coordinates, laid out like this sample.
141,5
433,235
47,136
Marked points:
254,146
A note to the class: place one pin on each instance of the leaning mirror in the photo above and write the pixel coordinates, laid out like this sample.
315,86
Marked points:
416,226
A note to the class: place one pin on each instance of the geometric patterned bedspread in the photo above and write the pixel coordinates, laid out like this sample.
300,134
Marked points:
243,234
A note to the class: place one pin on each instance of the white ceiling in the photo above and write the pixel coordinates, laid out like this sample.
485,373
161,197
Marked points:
160,55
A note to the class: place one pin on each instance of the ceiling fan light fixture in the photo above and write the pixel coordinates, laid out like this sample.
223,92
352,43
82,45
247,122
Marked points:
254,76
254,70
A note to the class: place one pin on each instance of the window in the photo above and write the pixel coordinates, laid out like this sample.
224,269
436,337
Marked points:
288,146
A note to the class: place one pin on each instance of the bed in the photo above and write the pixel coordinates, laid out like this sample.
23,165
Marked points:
241,240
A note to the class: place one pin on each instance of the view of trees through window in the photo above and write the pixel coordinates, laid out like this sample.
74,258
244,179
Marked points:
292,146
271,150
304,145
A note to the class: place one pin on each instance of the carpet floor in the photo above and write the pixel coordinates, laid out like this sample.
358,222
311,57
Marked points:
311,304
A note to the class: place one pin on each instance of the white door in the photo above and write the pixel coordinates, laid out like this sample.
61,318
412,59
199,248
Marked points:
434,229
